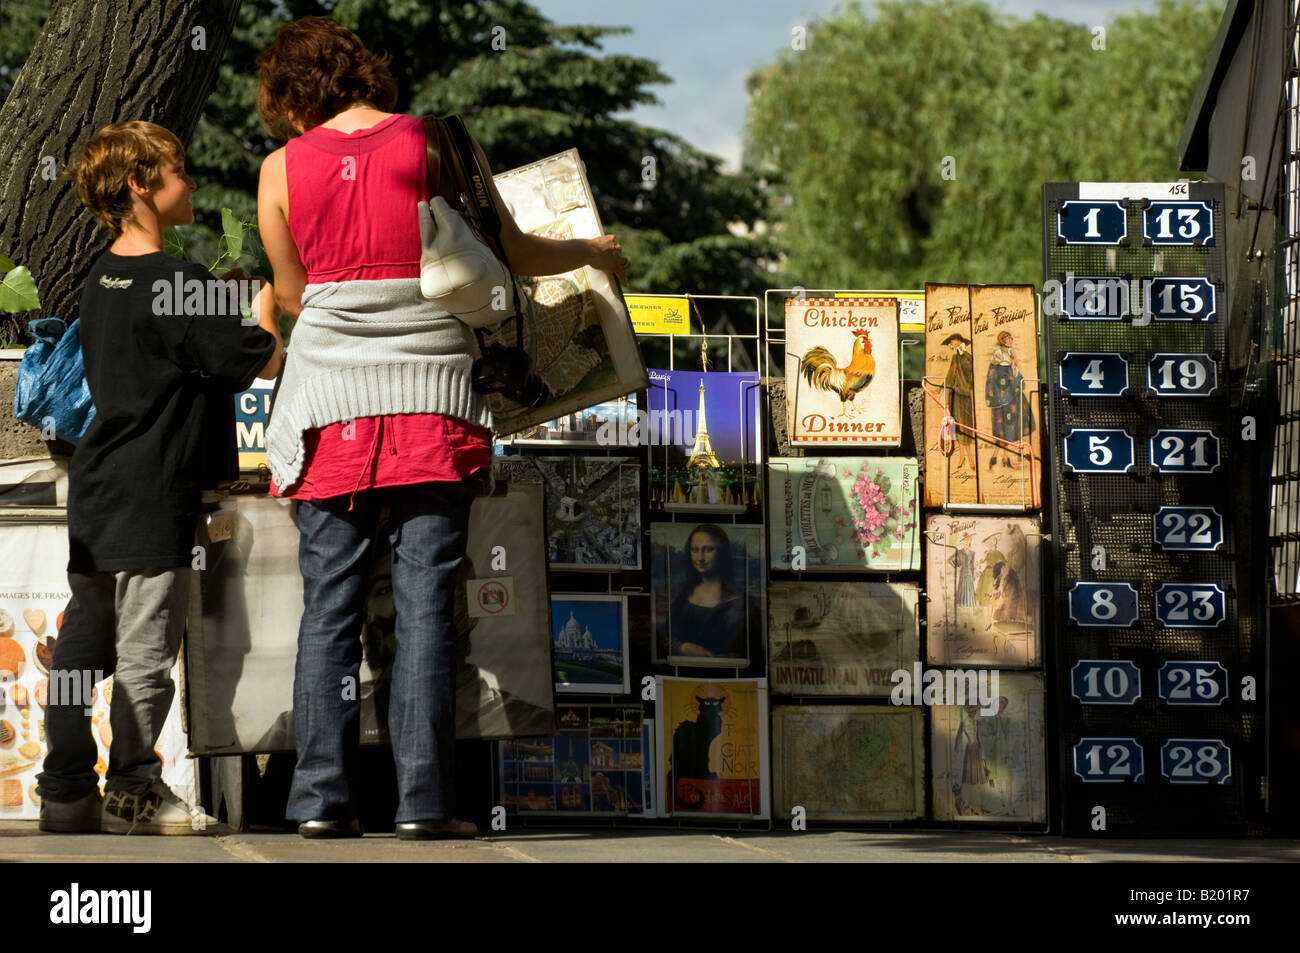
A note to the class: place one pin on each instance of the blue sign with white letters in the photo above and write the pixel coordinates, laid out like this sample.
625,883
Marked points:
1091,223
1093,374
1181,299
1109,760
1193,683
1196,761
1096,450
1182,375
1191,605
1105,681
1093,298
1185,451
1108,605
1187,529
1178,223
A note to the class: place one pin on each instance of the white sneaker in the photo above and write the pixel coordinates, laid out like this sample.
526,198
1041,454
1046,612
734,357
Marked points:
155,811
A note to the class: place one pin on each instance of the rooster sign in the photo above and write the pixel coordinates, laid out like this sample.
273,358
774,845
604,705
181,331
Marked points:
842,371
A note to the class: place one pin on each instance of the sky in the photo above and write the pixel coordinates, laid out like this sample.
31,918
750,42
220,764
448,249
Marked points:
709,48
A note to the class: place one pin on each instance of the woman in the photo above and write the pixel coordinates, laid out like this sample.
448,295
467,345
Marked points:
375,412
708,618
1013,416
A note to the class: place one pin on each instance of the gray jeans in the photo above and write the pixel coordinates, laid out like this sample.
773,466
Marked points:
127,624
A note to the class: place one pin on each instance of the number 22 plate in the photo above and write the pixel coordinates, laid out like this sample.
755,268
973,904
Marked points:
1196,529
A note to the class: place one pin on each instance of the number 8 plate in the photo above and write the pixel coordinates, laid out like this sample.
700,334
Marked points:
1110,605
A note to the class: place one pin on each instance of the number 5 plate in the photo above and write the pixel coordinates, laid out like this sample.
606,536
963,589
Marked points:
1191,529
1109,605
1089,450
1196,761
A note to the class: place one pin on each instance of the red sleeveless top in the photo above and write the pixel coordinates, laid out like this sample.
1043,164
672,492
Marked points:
352,200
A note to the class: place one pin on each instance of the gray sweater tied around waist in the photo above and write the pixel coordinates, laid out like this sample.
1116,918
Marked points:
365,349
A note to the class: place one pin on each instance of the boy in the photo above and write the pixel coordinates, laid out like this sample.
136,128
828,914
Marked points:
163,385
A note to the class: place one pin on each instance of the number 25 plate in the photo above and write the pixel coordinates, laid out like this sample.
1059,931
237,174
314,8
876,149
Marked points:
1110,605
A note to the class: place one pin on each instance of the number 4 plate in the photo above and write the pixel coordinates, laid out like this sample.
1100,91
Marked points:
1100,374
1109,760
1196,761
1193,683
1109,605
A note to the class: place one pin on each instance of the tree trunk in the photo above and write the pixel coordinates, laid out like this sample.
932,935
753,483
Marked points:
96,62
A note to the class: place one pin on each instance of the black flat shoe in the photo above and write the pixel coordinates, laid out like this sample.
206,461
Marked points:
331,829
436,830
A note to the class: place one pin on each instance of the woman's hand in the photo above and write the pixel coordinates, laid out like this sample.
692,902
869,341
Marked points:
607,255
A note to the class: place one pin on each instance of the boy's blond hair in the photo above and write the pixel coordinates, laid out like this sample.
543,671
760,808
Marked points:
115,154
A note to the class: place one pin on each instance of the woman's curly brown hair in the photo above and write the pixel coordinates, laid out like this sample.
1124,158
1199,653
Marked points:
315,68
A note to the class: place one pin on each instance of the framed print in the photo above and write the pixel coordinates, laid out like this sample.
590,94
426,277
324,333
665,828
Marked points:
844,514
849,763
593,511
992,767
840,638
843,378
704,441
706,593
985,591
712,747
590,643
951,470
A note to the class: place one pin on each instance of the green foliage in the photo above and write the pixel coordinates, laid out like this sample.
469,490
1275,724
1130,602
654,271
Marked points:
855,130
547,91
20,25
17,288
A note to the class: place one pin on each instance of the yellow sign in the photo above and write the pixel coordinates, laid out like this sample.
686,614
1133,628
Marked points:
659,314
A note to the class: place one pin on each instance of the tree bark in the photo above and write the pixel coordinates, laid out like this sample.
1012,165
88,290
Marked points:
96,62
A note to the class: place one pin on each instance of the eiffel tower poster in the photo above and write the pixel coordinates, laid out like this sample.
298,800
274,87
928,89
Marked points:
703,430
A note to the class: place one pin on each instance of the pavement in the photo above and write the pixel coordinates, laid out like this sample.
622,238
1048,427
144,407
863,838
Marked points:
21,842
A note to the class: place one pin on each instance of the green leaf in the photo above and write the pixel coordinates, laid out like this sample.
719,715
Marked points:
5,264
884,485
174,244
885,545
18,291
232,233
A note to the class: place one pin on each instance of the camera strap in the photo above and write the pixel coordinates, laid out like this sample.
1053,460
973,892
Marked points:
478,196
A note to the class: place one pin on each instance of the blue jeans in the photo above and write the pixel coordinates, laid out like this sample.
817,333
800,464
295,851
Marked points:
427,529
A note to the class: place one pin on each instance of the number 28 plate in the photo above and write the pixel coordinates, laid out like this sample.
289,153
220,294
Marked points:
1196,761
1110,605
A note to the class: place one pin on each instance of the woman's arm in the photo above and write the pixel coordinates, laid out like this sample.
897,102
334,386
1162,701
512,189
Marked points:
535,255
273,226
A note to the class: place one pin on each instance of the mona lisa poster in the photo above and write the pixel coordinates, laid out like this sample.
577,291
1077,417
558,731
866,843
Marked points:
706,593
712,747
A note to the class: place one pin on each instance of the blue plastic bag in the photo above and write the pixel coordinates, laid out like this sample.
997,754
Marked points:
52,381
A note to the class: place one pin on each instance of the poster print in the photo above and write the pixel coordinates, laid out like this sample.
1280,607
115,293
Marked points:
609,423
840,638
593,766
34,597
951,470
590,643
992,767
576,329
1005,359
843,380
712,747
984,591
593,512
704,441
844,513
706,592
849,763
